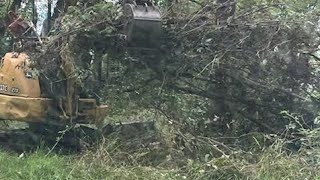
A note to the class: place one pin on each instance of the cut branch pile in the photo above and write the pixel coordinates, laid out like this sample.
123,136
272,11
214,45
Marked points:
244,70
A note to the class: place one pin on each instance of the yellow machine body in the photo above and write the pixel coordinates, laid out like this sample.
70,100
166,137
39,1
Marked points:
16,78
20,96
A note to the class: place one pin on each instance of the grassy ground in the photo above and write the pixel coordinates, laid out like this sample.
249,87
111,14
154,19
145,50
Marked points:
118,157
39,166
94,165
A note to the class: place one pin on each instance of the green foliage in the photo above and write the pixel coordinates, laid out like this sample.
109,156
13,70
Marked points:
5,40
222,90
6,43
89,19
4,6
217,80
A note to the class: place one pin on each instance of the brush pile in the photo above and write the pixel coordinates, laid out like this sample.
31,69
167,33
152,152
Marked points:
223,68
244,70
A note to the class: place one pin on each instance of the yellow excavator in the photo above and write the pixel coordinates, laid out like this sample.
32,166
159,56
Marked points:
21,97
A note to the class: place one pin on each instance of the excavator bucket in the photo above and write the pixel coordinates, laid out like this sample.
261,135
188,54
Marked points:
143,24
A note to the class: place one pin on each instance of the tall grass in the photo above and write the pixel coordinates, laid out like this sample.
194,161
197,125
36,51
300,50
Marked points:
270,165
112,160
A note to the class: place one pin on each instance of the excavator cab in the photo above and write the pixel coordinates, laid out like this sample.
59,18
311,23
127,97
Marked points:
142,24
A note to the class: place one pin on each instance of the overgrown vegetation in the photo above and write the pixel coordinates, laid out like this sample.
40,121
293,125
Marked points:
233,89
109,161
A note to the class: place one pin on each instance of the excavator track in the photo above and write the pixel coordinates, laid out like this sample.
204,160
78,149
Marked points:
73,139
26,140
15,140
